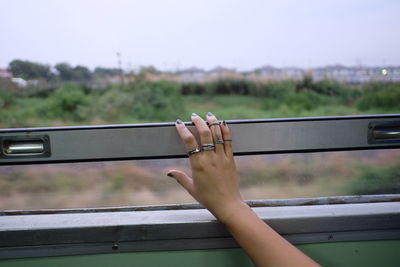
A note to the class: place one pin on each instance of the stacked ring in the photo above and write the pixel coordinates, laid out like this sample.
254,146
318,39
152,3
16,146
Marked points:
193,151
227,140
214,123
207,147
219,141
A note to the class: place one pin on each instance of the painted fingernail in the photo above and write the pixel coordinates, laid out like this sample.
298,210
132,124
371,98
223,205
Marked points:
178,121
210,114
224,122
170,175
194,114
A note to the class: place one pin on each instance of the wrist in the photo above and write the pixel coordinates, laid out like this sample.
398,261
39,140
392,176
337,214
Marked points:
228,214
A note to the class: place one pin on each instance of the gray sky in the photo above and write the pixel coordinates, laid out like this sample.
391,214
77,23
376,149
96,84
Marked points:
172,34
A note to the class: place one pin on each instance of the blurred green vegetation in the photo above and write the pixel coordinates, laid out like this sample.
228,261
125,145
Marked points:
78,103
380,97
74,103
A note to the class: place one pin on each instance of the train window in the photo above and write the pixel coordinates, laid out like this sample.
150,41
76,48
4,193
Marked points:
136,183
67,63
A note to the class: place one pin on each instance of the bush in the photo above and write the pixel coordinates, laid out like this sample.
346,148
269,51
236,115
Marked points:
306,100
229,87
63,103
154,101
329,87
193,88
7,98
157,101
277,90
110,106
377,180
379,95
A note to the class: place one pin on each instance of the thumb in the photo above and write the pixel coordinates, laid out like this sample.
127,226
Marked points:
183,179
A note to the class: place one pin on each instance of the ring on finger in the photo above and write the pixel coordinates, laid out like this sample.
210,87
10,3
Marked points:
207,147
193,151
214,123
228,140
219,141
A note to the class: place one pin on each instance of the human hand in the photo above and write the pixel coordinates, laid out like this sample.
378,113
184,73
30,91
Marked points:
214,181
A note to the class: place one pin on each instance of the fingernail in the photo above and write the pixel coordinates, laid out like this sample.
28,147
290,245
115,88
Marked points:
178,121
170,175
194,114
210,114
224,122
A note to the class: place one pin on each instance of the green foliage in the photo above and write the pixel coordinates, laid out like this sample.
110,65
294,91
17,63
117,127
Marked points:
297,94
110,106
63,103
107,71
77,74
74,103
150,101
377,180
306,100
276,90
29,70
7,98
329,87
229,87
193,88
157,101
381,96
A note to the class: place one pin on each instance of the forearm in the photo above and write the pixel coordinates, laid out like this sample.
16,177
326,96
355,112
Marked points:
264,246
214,184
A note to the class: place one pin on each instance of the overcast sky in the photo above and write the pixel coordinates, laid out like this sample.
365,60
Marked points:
242,34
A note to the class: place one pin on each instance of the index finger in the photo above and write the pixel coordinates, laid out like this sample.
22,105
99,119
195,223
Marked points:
187,137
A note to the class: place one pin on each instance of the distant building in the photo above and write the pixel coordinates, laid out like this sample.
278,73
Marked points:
5,73
357,75
192,74
271,73
19,82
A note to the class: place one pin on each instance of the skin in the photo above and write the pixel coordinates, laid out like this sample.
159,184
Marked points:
214,184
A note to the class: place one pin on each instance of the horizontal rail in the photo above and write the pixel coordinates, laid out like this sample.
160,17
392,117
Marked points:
110,232
160,140
190,206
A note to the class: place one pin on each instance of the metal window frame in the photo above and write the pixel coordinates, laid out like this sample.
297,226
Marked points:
179,227
116,231
160,140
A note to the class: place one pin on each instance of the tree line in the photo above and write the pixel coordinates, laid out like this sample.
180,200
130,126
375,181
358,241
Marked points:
29,70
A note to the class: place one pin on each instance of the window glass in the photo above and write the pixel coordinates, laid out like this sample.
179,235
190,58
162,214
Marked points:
127,183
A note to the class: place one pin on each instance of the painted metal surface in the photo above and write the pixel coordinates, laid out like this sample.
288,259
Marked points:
150,141
104,232
355,254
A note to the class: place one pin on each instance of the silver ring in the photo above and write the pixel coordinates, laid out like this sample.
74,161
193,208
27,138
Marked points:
214,123
227,140
219,141
207,147
193,151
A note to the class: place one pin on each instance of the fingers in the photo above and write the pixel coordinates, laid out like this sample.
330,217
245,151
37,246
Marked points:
189,141
187,137
226,133
216,132
203,129
184,180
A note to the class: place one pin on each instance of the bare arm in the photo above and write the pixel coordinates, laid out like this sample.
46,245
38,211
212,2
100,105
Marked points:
214,184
